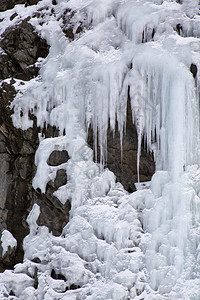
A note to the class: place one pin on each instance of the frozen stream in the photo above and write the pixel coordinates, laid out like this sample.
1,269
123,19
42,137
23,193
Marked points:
144,245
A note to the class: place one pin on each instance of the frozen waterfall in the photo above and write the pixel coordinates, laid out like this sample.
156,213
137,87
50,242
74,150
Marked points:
144,245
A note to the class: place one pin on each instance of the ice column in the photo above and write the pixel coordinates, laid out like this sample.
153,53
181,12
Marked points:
165,109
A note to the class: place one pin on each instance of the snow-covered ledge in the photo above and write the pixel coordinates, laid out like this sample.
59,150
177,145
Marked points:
7,240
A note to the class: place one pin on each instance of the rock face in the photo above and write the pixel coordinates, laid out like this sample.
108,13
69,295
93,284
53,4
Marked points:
5,4
7,260
16,193
57,158
193,70
53,214
125,166
16,176
20,47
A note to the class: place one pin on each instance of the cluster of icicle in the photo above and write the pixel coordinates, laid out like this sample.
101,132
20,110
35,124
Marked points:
95,73
128,49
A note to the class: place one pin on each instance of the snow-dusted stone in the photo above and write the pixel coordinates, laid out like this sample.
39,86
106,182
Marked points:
21,53
7,249
7,240
8,4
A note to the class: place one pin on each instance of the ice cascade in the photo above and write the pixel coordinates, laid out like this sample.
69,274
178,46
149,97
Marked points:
144,245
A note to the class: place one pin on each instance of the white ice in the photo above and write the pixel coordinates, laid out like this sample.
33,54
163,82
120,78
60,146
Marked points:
144,245
7,240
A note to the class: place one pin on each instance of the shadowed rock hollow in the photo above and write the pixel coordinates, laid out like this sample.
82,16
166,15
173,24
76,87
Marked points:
124,163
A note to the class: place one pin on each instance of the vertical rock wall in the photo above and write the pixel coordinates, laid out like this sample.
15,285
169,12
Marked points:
21,47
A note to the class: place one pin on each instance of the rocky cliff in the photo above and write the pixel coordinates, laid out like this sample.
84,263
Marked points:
88,91
20,50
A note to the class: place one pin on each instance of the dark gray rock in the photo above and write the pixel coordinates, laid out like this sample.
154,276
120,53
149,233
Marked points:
193,70
61,178
57,158
23,166
21,47
8,4
31,2
7,260
70,30
26,149
53,214
125,169
4,185
3,148
18,203
179,29
16,173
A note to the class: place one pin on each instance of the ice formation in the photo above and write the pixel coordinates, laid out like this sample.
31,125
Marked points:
144,245
7,240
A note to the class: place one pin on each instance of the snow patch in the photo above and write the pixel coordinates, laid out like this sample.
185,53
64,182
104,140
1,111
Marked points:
7,240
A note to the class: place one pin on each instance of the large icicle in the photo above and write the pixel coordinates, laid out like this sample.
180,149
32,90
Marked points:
117,244
165,109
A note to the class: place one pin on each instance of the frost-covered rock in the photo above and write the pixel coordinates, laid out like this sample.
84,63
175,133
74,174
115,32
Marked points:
7,240
8,4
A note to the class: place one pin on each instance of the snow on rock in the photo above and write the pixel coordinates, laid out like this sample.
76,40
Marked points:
7,240
16,282
143,245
